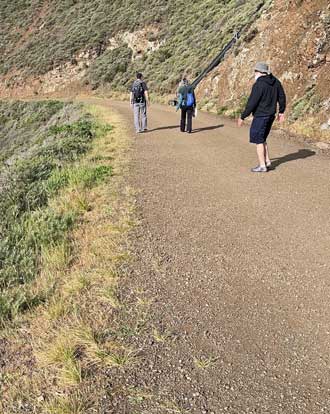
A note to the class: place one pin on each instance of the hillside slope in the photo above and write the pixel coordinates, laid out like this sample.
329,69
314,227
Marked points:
49,46
294,37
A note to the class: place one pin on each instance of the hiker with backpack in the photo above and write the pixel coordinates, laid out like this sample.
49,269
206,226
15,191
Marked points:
267,94
187,104
139,99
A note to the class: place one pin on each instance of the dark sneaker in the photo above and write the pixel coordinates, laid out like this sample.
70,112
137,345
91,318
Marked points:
259,169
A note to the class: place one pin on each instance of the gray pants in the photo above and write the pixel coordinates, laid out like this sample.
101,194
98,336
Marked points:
140,116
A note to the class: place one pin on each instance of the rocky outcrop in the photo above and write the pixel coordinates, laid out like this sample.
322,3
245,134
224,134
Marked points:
140,42
293,36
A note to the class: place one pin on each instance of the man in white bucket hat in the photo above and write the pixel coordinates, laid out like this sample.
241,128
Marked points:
267,93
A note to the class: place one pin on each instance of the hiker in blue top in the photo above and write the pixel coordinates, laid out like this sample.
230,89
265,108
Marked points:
187,104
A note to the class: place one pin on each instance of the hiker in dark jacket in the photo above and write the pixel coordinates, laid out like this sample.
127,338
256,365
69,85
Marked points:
267,94
187,104
139,99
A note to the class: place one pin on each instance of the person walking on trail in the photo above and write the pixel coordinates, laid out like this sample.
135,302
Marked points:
140,100
187,104
267,94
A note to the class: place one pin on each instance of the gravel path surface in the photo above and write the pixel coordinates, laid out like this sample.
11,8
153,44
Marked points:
237,266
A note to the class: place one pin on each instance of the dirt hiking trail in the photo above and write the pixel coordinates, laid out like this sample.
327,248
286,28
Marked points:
236,266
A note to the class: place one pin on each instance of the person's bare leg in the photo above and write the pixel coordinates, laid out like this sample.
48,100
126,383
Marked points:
261,155
266,154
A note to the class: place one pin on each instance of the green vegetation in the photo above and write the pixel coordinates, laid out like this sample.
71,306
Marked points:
308,104
21,125
35,171
50,33
235,111
110,66
38,36
192,40
66,347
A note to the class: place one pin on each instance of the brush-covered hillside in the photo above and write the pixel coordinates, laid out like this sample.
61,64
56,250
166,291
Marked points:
48,46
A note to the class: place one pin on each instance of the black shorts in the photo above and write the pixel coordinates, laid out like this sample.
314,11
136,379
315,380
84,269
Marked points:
260,129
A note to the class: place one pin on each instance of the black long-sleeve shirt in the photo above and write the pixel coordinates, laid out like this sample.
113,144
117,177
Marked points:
266,93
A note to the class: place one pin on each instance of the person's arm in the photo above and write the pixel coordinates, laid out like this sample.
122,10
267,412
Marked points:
146,94
253,101
180,99
131,100
282,102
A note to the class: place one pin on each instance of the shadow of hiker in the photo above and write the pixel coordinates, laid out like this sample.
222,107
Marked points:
299,155
164,127
210,128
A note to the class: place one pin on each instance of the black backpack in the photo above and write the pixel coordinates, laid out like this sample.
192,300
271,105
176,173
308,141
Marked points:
138,92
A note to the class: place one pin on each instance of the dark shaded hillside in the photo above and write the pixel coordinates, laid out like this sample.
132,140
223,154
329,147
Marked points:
23,126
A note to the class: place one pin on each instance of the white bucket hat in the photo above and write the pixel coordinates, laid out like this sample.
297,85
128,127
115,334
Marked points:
262,68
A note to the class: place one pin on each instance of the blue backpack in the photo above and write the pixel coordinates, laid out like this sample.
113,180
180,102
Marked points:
187,97
190,101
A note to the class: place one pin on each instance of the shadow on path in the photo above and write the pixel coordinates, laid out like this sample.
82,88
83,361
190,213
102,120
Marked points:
210,128
299,155
164,127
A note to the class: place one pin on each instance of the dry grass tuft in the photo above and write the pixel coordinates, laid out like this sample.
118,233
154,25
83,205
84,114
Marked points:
205,362
74,403
160,337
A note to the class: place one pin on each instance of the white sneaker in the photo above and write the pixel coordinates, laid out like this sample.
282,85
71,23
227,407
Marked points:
259,169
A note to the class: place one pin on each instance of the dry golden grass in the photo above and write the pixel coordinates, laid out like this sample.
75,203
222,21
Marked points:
205,362
68,334
74,403
160,337
57,257
309,127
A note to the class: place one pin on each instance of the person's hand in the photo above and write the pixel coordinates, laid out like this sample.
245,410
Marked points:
240,122
281,118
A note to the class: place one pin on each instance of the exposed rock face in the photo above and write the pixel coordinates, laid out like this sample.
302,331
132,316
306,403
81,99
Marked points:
294,37
140,41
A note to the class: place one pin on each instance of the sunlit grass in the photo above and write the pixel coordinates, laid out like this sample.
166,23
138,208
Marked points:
73,335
